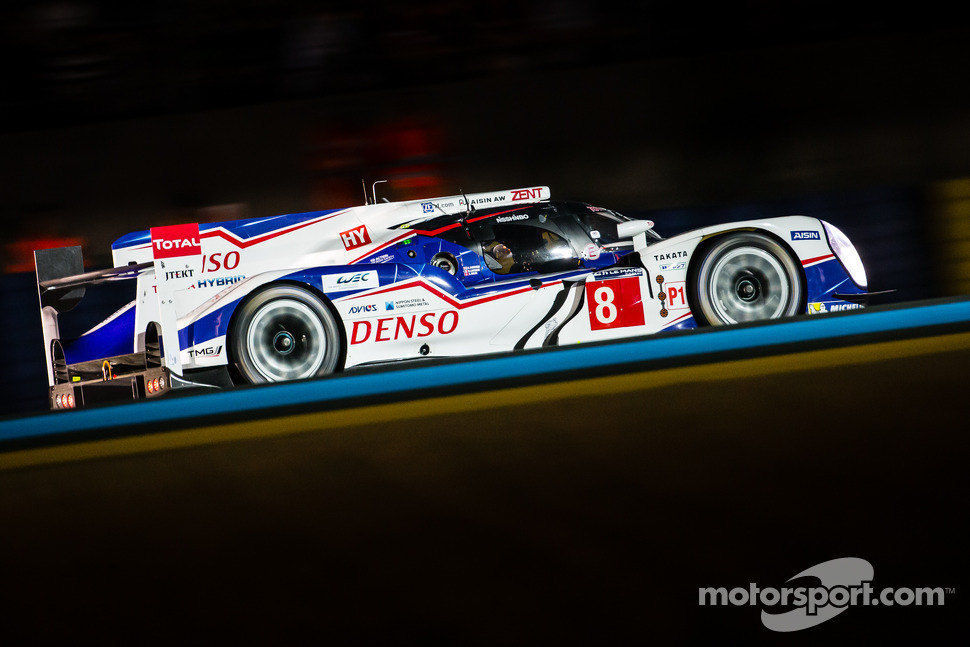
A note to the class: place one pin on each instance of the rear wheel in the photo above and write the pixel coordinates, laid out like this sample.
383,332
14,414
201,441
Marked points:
285,333
746,276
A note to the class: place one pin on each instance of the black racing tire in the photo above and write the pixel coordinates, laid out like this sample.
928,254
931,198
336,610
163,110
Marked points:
746,276
282,333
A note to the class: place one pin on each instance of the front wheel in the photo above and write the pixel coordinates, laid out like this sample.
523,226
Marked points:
285,333
746,276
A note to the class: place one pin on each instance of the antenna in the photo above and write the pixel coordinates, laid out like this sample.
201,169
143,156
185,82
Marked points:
468,212
374,190
364,187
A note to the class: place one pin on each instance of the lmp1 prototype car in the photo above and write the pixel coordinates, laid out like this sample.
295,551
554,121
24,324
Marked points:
302,295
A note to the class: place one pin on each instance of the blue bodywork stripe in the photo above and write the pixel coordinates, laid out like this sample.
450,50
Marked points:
113,338
244,229
510,366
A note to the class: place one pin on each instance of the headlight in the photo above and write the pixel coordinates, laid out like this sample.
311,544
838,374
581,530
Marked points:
847,254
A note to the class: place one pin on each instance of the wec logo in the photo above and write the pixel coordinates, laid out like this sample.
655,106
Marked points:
355,281
354,278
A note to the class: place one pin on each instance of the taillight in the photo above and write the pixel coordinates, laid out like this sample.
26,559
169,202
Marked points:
156,385
64,401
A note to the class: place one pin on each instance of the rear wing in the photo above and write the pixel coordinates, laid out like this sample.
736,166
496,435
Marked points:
61,284
62,281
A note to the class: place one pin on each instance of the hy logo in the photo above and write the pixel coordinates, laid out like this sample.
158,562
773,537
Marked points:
354,238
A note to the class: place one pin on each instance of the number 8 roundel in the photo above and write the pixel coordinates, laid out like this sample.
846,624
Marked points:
615,303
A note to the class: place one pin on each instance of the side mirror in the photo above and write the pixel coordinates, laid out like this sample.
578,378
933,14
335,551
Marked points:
631,228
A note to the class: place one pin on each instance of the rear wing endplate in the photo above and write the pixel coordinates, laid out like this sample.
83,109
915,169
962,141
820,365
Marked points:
61,283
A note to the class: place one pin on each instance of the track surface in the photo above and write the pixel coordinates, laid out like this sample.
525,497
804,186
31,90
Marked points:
513,517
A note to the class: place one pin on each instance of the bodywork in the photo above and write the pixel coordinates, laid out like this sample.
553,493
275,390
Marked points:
405,280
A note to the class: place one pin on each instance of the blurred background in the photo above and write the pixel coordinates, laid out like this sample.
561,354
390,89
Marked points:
117,116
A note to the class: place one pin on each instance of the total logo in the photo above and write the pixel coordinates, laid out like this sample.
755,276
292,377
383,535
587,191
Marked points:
176,240
402,327
182,244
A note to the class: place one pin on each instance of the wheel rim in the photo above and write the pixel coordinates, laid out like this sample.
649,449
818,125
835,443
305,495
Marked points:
287,340
748,284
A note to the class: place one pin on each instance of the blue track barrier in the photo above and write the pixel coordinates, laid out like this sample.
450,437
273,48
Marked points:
429,378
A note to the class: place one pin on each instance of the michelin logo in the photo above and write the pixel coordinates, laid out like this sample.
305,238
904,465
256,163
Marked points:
821,308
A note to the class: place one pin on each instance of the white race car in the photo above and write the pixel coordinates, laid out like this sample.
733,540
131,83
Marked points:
302,295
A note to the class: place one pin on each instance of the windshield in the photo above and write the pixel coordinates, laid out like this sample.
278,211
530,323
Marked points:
524,248
601,225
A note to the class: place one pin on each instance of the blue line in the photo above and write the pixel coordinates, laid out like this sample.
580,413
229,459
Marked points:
374,385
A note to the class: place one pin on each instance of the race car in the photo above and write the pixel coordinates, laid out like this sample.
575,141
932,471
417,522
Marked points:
302,295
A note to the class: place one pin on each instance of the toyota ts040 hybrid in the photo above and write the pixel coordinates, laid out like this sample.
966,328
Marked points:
301,295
